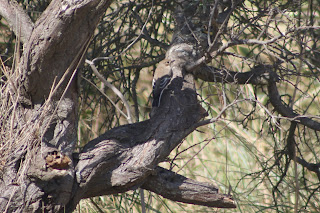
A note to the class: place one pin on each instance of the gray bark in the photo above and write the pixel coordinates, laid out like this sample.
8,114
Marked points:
41,174
18,20
45,116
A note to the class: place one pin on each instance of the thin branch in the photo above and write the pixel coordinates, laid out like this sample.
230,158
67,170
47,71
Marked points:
259,75
145,34
215,119
105,95
286,111
234,42
212,12
193,156
113,88
221,29
131,44
291,147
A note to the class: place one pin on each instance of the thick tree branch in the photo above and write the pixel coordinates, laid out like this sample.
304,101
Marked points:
127,155
18,20
313,167
53,47
119,160
178,188
123,158
260,75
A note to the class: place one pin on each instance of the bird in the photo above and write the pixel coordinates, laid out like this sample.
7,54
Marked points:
161,79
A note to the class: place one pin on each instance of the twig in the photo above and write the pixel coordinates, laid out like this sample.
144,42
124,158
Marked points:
131,44
192,157
235,42
113,88
212,120
104,94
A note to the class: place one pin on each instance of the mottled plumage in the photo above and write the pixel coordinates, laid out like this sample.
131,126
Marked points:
161,78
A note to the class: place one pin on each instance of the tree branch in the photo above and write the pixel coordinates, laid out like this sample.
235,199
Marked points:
178,188
286,111
313,167
18,20
123,158
291,148
45,55
129,153
51,54
259,75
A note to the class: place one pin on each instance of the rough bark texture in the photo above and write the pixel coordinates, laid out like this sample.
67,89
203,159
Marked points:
123,158
18,20
176,187
51,54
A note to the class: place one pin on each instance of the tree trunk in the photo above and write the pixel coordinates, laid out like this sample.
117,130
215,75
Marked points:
39,172
43,174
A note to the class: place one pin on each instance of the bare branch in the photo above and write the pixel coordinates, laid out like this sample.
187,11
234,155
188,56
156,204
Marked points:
145,34
313,167
105,95
235,42
212,54
291,149
178,188
113,88
17,19
286,111
131,44
259,75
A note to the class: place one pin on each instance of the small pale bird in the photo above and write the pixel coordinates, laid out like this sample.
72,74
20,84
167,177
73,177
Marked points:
161,78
